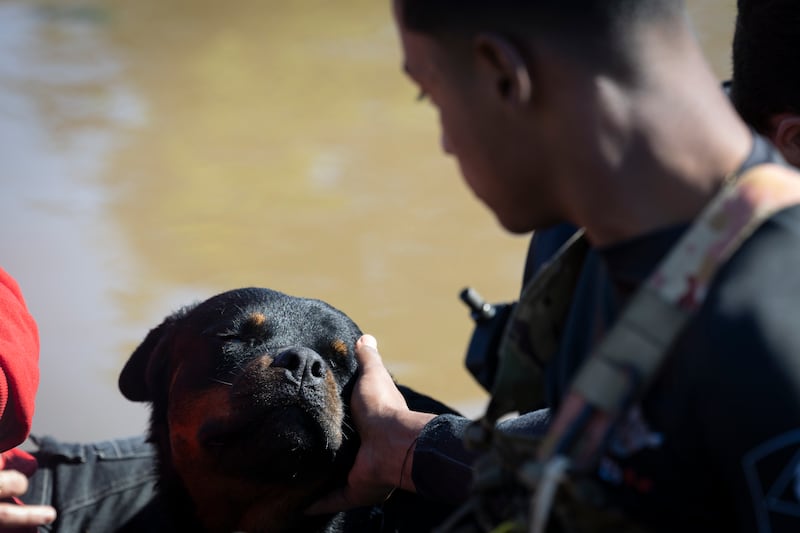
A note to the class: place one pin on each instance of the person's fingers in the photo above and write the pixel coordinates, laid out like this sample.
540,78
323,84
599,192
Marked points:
17,516
12,483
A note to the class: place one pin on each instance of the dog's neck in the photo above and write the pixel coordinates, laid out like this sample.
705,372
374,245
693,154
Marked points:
239,505
273,511
248,507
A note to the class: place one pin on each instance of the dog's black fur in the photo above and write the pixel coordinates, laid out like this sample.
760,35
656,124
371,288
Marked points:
249,392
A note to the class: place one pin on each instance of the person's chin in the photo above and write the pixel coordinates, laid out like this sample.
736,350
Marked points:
515,225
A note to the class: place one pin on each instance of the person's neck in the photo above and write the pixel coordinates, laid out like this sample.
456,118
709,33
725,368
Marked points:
678,139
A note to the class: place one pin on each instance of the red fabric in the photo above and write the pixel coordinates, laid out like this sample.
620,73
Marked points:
18,460
19,364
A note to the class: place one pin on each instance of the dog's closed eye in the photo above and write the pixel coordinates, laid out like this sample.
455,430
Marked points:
252,329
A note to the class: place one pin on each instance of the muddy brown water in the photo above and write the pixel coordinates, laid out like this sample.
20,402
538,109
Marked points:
155,153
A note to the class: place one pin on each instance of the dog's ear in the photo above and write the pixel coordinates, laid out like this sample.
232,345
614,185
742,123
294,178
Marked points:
133,380
136,377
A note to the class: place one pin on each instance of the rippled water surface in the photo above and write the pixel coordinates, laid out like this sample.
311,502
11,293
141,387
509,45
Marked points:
155,153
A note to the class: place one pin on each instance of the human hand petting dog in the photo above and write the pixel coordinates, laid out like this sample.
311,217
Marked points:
13,516
388,430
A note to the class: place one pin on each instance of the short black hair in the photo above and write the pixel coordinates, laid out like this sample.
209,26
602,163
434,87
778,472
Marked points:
596,29
766,60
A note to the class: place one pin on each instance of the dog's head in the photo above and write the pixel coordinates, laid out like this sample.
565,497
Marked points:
248,392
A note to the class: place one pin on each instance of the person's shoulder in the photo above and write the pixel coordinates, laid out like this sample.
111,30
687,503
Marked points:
756,294
787,219
775,240
745,337
765,260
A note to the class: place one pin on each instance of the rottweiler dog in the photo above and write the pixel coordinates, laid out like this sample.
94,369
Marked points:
249,415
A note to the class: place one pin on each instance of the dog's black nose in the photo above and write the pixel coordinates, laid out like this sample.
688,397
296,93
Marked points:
303,365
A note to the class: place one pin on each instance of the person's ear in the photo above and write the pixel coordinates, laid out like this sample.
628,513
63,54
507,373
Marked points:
785,134
507,66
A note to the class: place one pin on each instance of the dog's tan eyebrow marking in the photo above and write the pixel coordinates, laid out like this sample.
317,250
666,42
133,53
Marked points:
254,326
339,347
257,319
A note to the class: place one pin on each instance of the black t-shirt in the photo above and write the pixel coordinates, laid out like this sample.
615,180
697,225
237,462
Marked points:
715,445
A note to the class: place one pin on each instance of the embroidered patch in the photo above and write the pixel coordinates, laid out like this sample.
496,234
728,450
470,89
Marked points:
772,471
634,435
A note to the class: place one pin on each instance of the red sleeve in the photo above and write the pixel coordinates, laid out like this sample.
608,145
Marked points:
19,364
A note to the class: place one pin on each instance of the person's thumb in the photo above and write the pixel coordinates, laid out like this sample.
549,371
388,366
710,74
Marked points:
367,352
368,340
